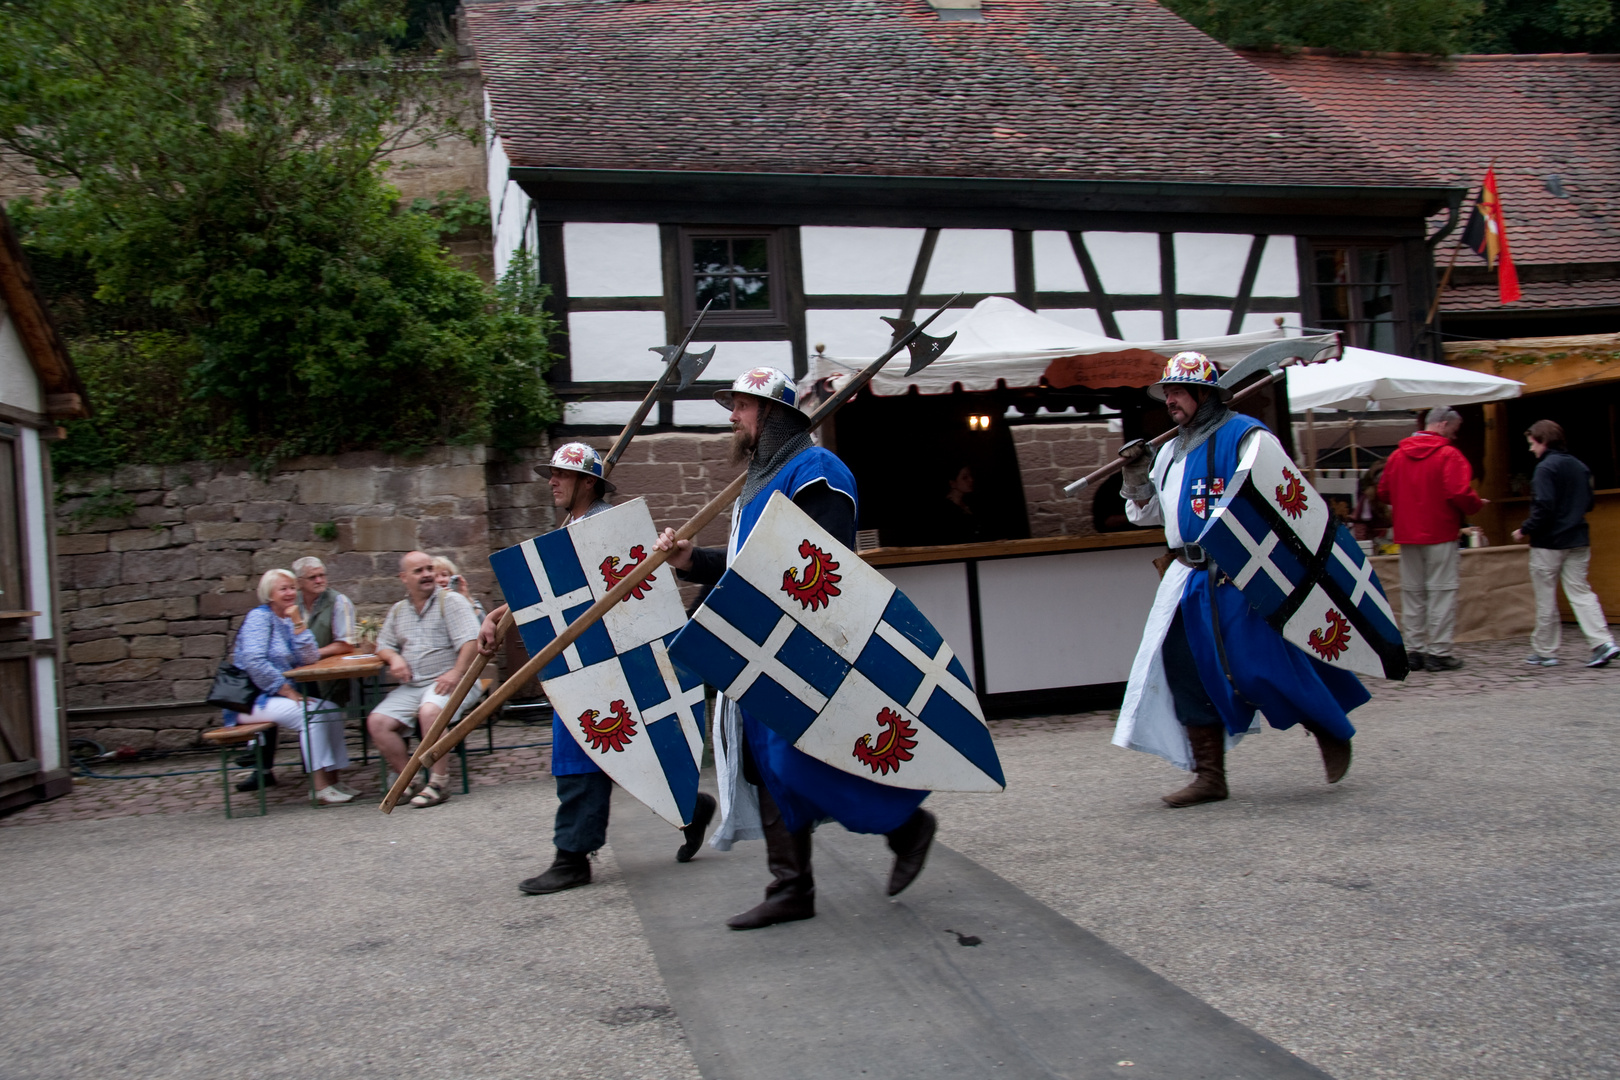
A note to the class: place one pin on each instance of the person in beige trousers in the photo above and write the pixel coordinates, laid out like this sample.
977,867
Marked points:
1561,548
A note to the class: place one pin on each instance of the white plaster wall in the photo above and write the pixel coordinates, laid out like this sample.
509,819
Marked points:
1126,262
599,412
1140,325
508,205
851,260
19,386
701,413
613,260
1080,318
1056,268
1210,264
1267,320
1202,322
971,260
1279,269
855,334
47,743
732,358
615,345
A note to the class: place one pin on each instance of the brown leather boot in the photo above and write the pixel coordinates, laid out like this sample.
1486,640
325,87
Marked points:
1209,768
1335,754
791,895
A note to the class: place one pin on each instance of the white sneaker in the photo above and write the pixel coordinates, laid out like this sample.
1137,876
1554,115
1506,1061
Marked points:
1603,654
1537,660
346,789
332,796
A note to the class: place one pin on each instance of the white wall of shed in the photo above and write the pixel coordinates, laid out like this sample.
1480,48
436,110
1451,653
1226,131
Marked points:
19,386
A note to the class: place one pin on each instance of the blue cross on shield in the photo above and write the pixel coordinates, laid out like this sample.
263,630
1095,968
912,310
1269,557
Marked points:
820,647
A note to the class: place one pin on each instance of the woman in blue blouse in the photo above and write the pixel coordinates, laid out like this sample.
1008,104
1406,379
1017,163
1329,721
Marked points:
273,639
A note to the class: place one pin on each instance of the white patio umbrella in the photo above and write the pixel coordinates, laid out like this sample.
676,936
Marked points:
1368,381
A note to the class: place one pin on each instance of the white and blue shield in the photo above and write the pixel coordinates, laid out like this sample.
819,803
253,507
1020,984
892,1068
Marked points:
825,651
1299,567
615,689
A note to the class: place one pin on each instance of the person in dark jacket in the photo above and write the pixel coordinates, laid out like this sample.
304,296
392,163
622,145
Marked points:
1560,548
1427,483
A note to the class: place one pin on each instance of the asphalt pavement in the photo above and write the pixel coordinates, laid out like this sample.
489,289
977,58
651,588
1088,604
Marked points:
1450,909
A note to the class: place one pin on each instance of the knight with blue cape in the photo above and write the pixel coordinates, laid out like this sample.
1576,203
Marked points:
768,788
1208,662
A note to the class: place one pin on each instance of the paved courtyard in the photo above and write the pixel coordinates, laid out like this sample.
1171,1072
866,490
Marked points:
1448,910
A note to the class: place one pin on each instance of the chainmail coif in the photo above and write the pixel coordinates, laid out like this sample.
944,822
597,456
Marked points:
784,434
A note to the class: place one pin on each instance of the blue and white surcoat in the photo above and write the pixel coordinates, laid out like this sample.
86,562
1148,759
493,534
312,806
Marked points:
804,789
1261,672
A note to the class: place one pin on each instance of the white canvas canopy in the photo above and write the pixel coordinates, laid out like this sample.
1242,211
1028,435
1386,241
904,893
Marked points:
1368,381
1001,341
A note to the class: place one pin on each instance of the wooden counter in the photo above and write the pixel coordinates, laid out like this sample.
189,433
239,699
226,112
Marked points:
1004,549
1494,600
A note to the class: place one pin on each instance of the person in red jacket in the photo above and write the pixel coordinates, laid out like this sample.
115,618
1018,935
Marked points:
1427,483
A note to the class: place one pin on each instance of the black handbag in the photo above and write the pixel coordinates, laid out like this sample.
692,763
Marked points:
232,688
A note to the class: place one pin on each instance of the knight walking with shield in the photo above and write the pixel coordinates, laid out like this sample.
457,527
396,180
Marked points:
1208,660
584,792
768,787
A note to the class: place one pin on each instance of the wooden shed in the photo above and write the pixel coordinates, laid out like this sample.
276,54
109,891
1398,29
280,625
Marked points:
38,387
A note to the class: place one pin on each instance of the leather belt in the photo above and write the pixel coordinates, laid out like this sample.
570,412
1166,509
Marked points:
1192,555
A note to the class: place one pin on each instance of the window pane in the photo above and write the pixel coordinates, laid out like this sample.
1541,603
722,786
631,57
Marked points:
714,288
748,254
752,295
711,256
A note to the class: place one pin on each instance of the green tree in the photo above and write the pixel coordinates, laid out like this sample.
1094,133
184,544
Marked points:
1412,26
217,168
1543,26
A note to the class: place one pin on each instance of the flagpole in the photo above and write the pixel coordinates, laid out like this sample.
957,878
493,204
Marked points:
474,719
1445,279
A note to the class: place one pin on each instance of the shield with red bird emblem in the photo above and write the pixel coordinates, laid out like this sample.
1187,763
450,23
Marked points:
1275,536
820,647
625,705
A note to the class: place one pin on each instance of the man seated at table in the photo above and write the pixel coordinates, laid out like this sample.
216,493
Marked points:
328,613
428,641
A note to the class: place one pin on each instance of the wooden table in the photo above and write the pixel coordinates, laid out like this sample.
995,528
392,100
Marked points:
352,666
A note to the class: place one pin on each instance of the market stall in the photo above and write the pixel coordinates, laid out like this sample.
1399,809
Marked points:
1049,622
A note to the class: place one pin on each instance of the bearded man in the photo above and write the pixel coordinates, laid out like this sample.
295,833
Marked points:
1208,661
767,787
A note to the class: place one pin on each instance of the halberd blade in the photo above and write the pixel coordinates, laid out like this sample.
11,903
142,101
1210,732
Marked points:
901,327
925,349
1263,358
692,364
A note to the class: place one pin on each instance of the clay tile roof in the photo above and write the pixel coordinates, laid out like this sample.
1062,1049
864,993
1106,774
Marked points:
1537,295
1117,90
1535,116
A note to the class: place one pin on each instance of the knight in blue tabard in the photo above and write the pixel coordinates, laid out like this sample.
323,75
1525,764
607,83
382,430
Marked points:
579,487
767,787
1208,662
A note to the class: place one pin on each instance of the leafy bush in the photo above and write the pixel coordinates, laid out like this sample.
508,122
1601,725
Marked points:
223,243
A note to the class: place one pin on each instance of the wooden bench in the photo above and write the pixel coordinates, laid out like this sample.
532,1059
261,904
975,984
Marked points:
228,739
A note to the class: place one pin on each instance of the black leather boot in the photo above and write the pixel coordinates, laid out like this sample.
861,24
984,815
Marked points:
791,895
569,870
910,843
265,756
693,834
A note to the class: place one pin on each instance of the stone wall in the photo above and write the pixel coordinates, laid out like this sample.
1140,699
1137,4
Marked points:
151,599
1051,455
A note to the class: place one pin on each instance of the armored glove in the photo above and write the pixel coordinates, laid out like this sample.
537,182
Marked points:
1137,484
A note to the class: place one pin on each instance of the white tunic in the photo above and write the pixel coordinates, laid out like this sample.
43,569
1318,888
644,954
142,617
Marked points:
1147,718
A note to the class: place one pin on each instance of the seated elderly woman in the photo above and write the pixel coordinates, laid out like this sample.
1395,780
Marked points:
448,577
273,639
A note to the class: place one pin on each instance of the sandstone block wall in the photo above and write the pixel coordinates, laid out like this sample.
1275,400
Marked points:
1051,455
151,601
